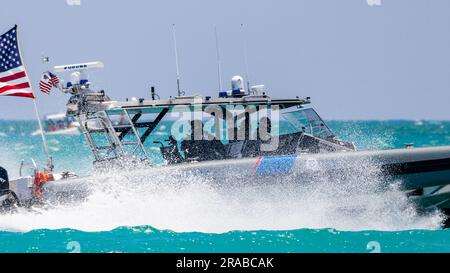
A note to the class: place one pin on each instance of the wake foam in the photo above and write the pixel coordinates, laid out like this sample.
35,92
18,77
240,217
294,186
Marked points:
184,202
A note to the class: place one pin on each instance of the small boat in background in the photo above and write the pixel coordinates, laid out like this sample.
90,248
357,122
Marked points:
59,124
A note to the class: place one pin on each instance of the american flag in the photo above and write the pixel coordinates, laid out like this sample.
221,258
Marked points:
13,77
44,84
47,82
54,80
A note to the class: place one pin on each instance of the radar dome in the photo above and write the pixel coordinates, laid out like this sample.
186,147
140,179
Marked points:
75,77
237,83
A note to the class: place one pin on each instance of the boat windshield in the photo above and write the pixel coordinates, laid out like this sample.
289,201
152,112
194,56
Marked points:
308,121
286,121
227,132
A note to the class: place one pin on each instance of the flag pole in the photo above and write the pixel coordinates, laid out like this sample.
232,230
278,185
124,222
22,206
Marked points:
41,128
44,140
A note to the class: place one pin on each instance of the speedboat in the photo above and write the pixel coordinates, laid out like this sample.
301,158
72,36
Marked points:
237,137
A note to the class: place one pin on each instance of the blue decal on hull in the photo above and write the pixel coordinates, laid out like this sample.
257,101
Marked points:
275,165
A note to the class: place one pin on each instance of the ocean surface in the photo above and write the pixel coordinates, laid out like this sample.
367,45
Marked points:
153,213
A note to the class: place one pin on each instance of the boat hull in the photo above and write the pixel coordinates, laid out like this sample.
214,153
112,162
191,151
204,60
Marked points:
423,173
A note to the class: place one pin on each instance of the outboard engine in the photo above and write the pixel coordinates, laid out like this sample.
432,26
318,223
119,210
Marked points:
8,199
4,182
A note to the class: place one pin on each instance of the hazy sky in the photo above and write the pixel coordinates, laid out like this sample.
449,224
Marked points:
356,61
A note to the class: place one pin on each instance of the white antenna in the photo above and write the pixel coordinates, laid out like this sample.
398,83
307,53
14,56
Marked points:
45,61
219,62
176,59
246,58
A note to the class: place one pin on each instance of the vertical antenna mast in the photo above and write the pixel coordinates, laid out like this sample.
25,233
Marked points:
219,62
176,59
246,58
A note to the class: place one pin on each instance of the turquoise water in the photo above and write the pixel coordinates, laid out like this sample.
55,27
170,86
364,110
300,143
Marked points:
148,239
197,218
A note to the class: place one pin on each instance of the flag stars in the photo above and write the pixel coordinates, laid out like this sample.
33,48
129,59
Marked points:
9,54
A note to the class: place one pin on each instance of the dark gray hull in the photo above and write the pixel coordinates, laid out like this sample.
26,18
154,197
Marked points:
423,173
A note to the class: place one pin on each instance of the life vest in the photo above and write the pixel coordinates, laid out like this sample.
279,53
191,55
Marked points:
40,179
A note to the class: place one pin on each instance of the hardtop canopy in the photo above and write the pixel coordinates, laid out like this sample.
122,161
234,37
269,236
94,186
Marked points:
194,102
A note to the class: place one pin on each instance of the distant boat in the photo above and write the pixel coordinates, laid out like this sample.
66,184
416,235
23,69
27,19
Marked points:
418,122
59,124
